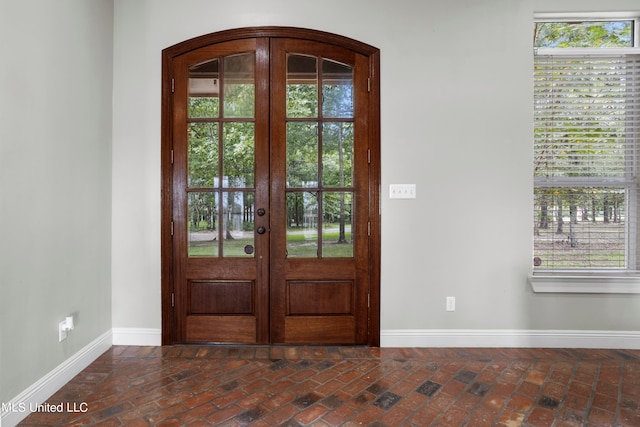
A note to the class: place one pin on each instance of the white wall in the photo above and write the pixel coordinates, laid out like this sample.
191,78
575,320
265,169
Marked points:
55,182
456,120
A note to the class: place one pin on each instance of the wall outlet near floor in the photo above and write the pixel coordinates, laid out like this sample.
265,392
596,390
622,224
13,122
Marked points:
64,327
451,303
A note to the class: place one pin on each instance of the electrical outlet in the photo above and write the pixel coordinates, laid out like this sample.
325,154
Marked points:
64,327
62,330
451,303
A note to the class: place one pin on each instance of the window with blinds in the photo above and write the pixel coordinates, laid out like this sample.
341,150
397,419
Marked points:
586,137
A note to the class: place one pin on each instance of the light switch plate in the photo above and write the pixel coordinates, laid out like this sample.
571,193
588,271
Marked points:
402,191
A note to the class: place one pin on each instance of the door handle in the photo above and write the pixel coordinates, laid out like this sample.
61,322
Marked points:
260,212
261,230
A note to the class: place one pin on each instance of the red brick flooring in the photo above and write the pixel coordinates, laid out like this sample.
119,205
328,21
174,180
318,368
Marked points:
350,386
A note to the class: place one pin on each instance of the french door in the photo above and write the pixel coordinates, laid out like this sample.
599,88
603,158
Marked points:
270,217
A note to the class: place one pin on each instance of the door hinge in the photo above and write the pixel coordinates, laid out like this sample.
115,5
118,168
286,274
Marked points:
173,299
368,228
171,228
368,155
369,84
173,85
368,300
172,156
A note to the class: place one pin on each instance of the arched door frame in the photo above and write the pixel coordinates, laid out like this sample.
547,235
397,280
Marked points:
373,119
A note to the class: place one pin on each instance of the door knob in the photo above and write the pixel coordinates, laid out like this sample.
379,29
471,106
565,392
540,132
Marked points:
261,230
260,212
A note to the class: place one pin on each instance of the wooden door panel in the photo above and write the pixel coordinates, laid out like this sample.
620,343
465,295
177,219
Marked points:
221,297
235,329
320,330
329,297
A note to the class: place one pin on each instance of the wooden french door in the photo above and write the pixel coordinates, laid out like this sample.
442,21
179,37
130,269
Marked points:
269,190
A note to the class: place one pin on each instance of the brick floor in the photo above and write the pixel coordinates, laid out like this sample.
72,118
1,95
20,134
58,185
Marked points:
350,386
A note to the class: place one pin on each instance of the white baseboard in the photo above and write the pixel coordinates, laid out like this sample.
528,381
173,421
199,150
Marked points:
509,338
19,407
137,336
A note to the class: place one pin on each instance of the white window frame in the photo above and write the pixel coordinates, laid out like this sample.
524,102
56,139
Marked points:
591,281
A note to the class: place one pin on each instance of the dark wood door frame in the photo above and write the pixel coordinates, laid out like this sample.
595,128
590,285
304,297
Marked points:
167,191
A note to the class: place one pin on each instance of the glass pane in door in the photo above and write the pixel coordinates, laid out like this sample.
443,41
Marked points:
302,224
238,155
302,154
202,224
237,224
337,225
302,86
239,86
337,90
204,90
337,154
203,154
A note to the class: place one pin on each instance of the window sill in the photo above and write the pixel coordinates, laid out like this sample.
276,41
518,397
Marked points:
585,283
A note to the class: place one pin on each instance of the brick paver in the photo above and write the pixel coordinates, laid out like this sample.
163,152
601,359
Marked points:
345,386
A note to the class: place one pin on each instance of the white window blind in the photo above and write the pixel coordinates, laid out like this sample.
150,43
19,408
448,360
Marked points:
587,128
